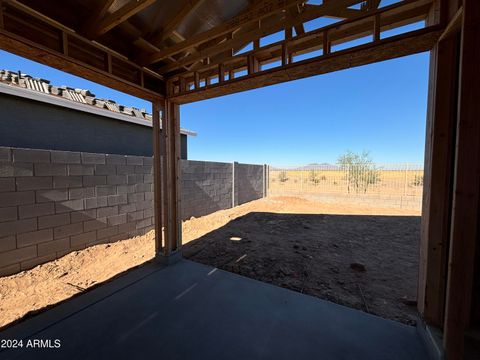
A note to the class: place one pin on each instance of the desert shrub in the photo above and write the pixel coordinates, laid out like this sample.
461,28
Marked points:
312,176
282,176
418,180
360,171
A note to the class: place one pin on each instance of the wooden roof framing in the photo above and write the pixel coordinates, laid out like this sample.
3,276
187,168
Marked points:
140,46
179,51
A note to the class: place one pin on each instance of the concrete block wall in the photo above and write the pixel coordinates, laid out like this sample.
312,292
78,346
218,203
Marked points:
206,187
54,202
250,182
213,186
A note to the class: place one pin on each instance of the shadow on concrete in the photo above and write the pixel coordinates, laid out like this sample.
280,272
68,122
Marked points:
365,262
192,311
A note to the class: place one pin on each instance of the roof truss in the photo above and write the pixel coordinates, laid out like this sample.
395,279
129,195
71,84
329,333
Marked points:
202,82
143,45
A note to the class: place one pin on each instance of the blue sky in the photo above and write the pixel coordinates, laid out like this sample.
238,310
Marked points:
380,108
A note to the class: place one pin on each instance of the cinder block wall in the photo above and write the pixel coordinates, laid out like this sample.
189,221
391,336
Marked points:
54,202
250,182
206,187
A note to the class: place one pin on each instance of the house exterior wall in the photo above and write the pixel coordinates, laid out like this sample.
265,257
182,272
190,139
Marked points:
36,125
54,202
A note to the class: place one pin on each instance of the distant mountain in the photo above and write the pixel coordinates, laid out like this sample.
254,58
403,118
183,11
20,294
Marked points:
313,166
316,166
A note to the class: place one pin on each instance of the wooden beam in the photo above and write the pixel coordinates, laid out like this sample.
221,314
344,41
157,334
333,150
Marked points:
64,43
395,11
171,188
466,197
264,9
326,43
25,42
182,84
299,29
376,27
31,50
140,42
157,106
285,56
114,19
438,180
158,37
196,80
98,13
385,49
392,16
221,73
454,26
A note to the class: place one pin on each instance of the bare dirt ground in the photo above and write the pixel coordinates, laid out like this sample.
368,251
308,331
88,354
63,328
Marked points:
362,257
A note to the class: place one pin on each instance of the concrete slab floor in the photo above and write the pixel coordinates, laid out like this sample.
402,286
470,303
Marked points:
192,311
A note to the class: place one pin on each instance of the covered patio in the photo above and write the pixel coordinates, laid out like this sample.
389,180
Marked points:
177,52
191,311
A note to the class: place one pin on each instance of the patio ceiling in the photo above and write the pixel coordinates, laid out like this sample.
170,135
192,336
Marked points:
189,50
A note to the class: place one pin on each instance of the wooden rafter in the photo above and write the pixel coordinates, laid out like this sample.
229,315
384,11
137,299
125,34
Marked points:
387,18
117,17
266,8
397,46
25,28
259,32
168,30
98,13
294,11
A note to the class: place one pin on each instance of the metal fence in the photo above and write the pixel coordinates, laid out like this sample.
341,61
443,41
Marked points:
395,184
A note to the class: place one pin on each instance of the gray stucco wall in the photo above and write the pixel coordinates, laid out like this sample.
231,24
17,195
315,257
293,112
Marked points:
31,124
54,202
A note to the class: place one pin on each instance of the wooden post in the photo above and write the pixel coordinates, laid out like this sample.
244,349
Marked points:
326,43
171,179
142,78
196,80
108,63
438,174
288,33
465,208
221,73
64,42
157,179
252,64
284,54
439,150
376,27
182,85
